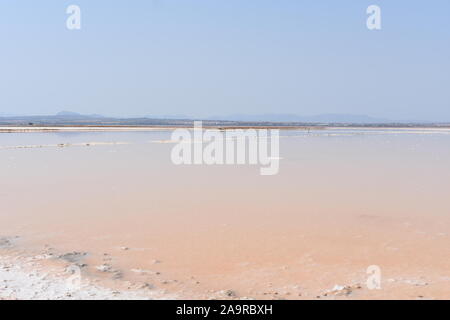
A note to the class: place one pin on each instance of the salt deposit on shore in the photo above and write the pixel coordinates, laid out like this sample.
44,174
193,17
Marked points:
24,280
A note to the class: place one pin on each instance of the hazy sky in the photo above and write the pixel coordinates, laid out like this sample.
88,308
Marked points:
219,57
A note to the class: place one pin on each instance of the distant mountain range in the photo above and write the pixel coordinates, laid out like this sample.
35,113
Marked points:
73,118
322,118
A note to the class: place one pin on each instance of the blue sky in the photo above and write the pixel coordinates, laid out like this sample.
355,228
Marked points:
218,57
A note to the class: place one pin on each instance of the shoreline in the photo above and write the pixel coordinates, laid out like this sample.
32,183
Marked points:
120,128
5,129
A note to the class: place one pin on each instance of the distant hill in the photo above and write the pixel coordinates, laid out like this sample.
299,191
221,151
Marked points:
70,114
67,114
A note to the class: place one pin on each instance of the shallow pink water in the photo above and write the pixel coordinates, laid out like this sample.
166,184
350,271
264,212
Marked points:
342,201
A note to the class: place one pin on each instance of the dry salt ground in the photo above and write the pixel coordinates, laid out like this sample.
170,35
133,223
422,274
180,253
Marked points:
25,281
